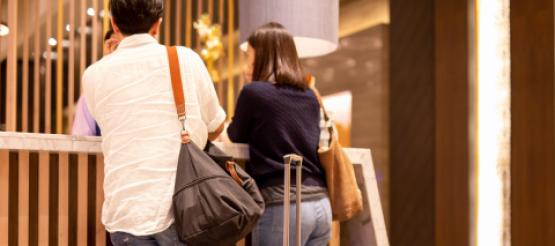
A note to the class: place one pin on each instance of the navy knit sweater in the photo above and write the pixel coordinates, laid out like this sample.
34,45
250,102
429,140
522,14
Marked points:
276,120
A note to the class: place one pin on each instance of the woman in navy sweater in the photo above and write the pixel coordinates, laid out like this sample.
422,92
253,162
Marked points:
276,115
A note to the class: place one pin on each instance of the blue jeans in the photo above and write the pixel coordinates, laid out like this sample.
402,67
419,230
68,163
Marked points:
315,221
164,238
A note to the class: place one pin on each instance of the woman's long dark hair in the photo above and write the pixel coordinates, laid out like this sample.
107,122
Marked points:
276,56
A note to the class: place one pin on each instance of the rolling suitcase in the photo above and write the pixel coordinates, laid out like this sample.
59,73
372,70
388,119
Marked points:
289,160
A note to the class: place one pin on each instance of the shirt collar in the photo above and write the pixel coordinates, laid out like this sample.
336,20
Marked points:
137,40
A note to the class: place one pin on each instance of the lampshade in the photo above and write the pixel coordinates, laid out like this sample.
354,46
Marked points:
313,23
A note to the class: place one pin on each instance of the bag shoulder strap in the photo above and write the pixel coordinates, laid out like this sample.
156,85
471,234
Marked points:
177,88
312,86
177,85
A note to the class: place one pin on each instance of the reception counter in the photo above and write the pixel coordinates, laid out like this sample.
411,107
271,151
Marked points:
51,191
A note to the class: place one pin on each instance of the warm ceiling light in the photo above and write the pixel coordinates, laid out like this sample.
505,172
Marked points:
66,43
91,12
68,27
101,13
52,42
4,30
87,30
53,56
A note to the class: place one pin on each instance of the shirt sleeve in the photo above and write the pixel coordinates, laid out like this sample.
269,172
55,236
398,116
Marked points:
211,112
240,127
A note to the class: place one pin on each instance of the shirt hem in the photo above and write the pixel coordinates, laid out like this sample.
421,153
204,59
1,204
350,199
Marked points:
137,233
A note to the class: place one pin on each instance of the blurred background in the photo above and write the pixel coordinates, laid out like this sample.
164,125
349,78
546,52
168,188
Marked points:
454,98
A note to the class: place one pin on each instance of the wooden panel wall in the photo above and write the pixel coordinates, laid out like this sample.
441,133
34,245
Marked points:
532,122
429,115
454,58
41,84
412,117
40,202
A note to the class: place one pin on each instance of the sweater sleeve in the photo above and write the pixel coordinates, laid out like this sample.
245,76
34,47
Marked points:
241,125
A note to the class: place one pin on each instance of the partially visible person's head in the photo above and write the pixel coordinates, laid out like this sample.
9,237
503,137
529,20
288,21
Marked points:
136,16
111,41
272,56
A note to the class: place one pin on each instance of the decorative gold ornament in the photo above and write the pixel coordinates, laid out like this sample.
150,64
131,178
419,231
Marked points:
211,42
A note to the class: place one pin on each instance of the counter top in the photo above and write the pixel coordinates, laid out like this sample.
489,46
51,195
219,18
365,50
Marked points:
87,144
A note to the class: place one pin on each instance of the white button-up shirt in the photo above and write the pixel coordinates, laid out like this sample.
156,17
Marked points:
129,94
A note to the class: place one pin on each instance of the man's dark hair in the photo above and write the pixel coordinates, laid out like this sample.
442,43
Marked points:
108,34
136,16
276,56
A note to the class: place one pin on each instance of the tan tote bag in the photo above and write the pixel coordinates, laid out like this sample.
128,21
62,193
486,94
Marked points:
345,196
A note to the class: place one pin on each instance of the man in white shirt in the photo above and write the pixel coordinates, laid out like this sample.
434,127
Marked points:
129,94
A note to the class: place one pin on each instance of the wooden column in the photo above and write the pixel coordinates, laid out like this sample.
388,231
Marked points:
220,83
11,75
211,10
532,123
60,67
48,82
82,39
199,13
188,22
412,116
36,69
82,175
44,198
4,194
105,19
25,71
167,20
71,66
23,198
454,58
95,31
429,117
63,199
177,21
230,59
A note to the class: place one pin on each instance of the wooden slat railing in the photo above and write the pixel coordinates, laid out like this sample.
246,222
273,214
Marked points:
51,191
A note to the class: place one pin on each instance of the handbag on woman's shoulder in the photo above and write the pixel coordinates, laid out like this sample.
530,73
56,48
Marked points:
345,196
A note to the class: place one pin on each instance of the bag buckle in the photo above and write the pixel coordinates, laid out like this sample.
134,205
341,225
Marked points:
185,138
232,170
